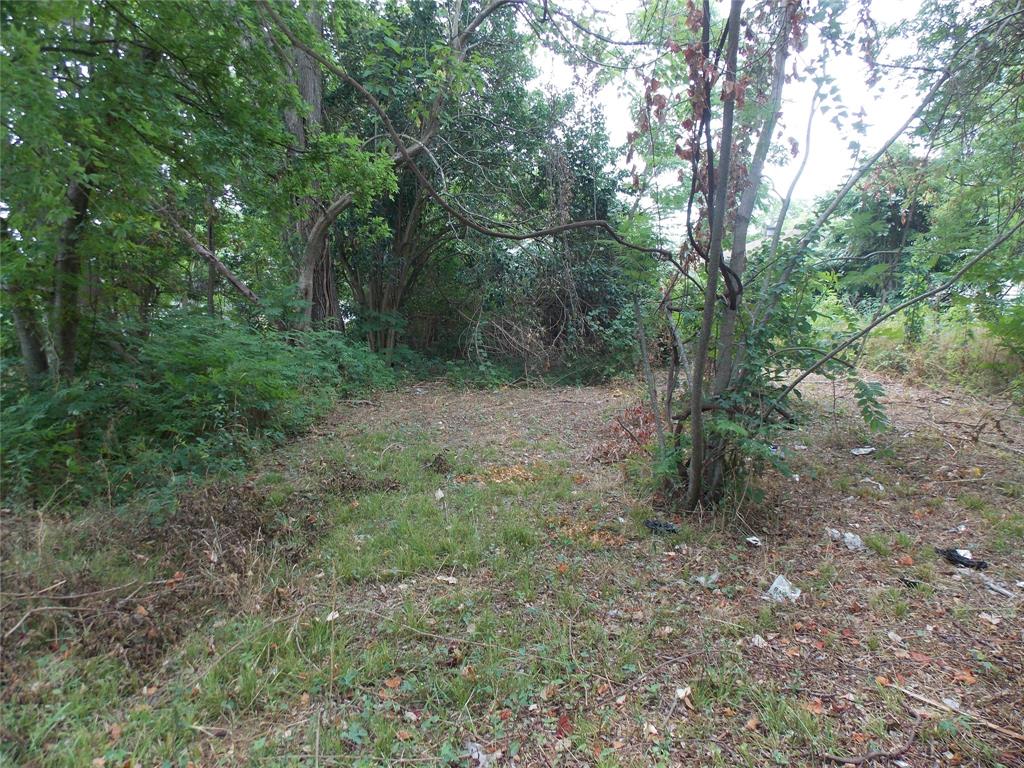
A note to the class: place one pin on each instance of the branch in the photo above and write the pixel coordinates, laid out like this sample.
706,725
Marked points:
405,153
217,264
909,302
879,754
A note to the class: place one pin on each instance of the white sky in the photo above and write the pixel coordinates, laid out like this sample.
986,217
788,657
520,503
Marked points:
830,160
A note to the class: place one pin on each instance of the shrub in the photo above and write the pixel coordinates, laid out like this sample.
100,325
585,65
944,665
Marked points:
194,395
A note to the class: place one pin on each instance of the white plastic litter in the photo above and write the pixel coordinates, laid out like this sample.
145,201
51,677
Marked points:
864,451
782,590
850,540
708,581
753,541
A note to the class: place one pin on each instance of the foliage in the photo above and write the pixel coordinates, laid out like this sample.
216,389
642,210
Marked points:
194,395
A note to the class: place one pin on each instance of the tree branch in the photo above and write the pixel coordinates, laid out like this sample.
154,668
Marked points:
899,308
216,263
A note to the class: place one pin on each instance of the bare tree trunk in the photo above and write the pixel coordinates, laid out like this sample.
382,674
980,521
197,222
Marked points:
315,270
66,307
33,356
211,275
26,325
695,484
748,198
652,388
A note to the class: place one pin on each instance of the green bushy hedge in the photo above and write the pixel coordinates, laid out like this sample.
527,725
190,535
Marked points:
196,394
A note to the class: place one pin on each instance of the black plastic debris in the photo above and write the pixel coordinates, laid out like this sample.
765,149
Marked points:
660,526
955,557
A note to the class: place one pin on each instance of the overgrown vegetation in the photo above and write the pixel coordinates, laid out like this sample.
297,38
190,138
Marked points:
192,395
230,231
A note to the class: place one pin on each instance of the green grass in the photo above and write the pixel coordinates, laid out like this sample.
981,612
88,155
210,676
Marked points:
253,668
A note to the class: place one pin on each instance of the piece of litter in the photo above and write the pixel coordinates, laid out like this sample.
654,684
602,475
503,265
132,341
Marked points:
660,526
850,540
865,451
438,494
782,590
480,757
951,703
708,581
799,447
448,579
753,541
962,557
875,483
332,616
758,642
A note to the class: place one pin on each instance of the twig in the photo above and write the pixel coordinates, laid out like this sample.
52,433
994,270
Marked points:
632,436
879,754
977,718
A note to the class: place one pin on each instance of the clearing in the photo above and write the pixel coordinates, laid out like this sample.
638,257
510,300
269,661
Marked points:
464,577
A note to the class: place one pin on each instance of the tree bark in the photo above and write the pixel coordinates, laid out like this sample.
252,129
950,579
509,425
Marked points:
695,484
66,308
745,210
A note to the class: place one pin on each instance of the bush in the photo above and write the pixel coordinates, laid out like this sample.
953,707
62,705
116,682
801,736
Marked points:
195,395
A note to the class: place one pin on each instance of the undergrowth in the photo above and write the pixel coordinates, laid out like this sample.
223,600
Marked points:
195,395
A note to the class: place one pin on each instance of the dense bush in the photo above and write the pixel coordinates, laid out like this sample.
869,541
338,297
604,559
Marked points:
193,395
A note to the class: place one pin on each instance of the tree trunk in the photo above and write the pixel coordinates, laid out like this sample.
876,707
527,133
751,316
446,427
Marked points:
748,198
211,273
695,484
317,287
66,307
325,310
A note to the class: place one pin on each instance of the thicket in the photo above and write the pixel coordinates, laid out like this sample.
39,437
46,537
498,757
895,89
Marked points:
194,394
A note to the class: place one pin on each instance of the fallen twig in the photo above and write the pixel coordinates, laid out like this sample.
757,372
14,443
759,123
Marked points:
977,718
879,754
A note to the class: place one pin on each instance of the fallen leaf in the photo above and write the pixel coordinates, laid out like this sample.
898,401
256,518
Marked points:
906,560
965,676
814,706
564,726
993,620
882,680
920,658
304,699
403,735
562,568
448,579
392,682
752,723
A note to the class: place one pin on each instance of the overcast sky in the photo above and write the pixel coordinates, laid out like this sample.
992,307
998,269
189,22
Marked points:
830,159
